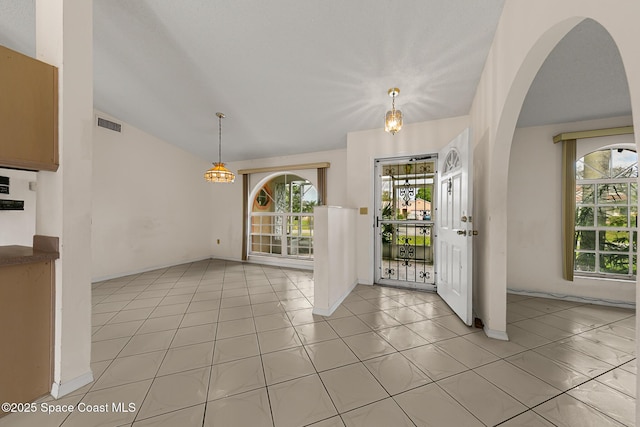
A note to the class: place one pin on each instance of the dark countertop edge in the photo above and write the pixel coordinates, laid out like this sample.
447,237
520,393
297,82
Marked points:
14,255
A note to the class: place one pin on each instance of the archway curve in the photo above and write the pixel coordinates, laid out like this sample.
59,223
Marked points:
548,24
258,186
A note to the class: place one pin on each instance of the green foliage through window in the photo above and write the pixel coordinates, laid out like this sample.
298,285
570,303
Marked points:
606,212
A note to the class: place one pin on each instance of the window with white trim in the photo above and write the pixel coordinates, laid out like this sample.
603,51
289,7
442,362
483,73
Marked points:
282,218
606,222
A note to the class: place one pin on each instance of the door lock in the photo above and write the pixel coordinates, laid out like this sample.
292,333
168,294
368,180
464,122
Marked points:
464,218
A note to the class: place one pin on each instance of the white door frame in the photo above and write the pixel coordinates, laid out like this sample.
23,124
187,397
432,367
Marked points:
428,281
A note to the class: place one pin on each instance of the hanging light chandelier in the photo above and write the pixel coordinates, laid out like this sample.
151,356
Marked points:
393,118
219,173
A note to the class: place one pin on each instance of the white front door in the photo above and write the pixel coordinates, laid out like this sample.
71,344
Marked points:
454,226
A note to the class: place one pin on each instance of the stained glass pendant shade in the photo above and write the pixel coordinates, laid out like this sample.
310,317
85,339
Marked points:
219,173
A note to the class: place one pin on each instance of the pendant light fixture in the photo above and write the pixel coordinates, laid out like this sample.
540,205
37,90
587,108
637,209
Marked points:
219,173
393,118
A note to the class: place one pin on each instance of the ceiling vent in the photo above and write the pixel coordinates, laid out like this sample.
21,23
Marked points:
108,124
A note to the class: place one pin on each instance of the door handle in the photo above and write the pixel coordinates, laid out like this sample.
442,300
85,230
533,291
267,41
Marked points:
462,232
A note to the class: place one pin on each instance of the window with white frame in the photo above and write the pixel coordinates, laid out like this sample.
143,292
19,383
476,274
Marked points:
606,235
282,218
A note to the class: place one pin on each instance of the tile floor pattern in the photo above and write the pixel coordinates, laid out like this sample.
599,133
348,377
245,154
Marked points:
217,343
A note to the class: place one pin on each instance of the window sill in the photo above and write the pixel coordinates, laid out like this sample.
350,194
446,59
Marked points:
627,279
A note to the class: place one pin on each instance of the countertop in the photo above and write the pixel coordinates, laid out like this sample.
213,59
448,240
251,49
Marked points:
13,255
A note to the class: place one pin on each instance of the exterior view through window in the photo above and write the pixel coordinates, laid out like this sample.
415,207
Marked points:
607,213
282,218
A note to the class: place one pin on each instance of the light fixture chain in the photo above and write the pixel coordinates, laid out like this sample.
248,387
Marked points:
220,139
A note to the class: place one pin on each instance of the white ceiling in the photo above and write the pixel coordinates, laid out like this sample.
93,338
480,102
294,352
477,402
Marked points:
295,76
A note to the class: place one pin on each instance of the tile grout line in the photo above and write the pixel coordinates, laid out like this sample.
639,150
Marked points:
264,374
396,297
163,357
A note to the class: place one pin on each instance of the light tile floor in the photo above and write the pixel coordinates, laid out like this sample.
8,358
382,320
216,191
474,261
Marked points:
217,343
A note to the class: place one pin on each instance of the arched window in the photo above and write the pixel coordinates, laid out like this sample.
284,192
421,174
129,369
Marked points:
452,161
606,220
282,218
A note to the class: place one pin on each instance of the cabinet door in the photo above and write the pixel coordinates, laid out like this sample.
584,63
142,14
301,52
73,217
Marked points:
28,112
26,317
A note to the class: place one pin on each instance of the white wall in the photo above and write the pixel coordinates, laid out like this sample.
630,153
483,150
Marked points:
18,227
151,204
534,245
334,262
228,198
64,32
366,146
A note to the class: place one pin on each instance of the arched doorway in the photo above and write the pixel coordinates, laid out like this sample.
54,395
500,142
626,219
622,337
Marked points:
511,68
599,99
496,139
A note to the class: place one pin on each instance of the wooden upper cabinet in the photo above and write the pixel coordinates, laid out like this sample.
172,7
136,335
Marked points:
28,112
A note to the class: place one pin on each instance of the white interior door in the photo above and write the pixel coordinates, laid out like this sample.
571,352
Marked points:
454,228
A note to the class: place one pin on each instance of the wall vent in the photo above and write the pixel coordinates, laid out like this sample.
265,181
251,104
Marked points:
108,124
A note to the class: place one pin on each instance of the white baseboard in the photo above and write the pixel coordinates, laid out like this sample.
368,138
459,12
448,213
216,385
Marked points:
281,262
59,390
278,262
328,312
587,300
144,270
498,335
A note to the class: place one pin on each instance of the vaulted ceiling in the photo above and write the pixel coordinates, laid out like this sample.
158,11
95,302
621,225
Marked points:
296,76
583,78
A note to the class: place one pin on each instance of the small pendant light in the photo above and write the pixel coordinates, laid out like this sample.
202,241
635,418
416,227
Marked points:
393,118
